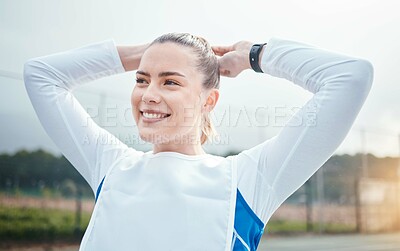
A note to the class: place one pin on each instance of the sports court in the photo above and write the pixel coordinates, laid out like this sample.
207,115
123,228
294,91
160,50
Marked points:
370,242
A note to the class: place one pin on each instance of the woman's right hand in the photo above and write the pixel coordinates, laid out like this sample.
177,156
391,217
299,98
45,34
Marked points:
233,58
130,55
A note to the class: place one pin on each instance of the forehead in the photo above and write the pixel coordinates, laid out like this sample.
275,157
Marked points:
168,56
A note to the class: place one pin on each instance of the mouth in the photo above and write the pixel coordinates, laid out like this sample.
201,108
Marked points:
153,116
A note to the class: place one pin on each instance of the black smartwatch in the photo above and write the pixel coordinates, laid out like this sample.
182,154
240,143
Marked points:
255,55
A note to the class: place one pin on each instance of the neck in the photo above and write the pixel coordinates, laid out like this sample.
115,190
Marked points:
186,149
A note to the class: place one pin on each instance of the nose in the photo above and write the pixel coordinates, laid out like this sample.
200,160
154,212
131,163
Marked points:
151,94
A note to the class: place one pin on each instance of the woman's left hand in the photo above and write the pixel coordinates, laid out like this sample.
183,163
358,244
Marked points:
233,58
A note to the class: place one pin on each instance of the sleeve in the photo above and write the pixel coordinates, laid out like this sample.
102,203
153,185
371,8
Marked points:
273,170
49,81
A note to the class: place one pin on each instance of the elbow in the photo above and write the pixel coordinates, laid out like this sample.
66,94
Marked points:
30,74
38,73
39,76
29,71
363,74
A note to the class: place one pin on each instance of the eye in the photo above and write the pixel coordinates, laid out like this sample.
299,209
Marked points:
141,81
170,82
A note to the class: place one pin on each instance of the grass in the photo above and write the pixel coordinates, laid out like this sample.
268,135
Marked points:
295,227
35,224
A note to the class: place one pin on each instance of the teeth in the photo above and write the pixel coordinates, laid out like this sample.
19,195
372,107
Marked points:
154,115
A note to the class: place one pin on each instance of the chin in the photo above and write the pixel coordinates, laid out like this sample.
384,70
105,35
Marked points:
153,137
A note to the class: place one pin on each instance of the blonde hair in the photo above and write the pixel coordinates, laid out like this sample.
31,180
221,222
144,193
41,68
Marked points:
207,63
208,130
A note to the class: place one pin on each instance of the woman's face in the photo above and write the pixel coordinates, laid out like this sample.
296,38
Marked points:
168,96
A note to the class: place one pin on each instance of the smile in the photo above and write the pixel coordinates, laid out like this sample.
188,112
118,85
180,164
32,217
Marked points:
155,115
149,116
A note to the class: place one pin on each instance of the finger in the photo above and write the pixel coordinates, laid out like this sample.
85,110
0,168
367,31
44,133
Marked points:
217,50
224,72
221,50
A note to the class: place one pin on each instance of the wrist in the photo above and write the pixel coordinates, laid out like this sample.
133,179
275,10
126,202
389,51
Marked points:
255,56
245,54
130,55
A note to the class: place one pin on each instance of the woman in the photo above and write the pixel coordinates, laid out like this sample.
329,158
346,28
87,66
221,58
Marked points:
177,197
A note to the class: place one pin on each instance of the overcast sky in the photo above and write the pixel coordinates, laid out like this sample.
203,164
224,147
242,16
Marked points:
363,28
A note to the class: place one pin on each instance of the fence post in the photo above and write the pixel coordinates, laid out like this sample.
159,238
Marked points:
308,191
398,202
321,201
398,185
78,211
357,202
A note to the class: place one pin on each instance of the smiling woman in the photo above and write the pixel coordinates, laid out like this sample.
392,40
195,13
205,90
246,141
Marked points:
172,98
177,197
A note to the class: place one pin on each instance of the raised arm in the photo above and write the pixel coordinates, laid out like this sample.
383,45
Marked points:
49,81
270,172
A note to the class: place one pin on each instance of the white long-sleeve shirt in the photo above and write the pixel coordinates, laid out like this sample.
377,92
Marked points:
267,174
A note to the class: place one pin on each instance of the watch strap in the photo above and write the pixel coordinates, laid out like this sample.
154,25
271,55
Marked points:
254,56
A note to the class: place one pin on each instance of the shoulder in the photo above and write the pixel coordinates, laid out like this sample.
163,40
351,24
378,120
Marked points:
254,154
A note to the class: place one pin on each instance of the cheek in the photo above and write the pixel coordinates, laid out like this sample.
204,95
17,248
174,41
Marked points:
189,108
135,100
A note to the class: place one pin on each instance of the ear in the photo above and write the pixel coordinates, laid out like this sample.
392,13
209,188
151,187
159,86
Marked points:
211,100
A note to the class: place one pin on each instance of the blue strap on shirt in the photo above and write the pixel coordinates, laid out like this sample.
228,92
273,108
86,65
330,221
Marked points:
99,188
248,228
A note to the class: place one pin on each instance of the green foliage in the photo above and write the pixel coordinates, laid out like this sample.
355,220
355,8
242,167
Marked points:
69,188
46,192
295,227
39,224
41,171
281,226
43,174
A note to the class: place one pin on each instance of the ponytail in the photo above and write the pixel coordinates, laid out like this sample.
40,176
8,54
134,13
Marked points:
208,131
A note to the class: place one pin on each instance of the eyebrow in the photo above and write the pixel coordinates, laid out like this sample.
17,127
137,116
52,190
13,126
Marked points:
162,74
